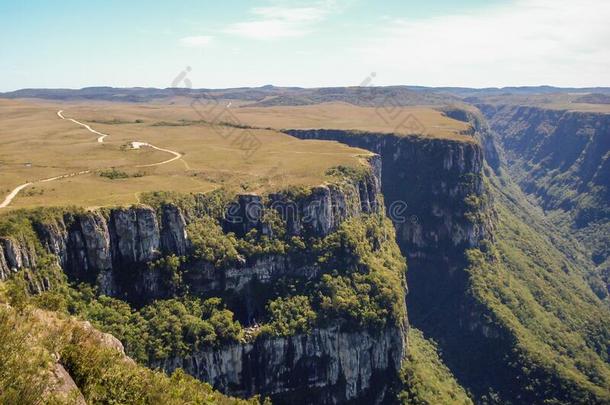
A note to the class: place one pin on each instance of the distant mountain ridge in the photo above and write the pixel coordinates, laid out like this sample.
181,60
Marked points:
270,95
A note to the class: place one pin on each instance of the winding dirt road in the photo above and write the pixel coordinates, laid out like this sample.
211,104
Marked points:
135,145
13,194
101,137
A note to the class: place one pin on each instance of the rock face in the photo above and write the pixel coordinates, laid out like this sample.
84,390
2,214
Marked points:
264,269
562,159
135,235
63,387
15,255
112,249
299,369
109,248
436,197
315,213
425,185
173,230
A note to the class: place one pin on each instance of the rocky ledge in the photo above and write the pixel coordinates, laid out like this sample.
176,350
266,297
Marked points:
359,367
102,246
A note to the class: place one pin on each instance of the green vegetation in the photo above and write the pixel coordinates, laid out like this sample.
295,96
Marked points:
289,316
347,172
116,121
31,341
211,244
427,381
365,274
169,268
115,174
163,329
537,296
256,243
21,381
193,205
561,159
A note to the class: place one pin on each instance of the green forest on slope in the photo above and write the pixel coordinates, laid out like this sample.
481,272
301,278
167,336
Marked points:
426,379
536,298
363,284
34,342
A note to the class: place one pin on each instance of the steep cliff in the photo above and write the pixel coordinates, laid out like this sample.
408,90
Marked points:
487,275
111,247
435,196
325,366
292,238
562,160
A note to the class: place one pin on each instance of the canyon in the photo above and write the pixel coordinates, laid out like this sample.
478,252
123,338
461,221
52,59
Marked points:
504,233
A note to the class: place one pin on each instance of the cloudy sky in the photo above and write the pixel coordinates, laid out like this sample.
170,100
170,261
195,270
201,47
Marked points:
233,43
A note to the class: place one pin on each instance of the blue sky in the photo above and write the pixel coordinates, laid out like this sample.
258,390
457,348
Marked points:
231,43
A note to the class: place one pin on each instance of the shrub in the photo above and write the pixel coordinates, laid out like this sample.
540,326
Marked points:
290,315
113,174
211,244
21,379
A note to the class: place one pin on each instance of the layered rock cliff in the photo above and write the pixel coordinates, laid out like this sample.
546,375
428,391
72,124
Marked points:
114,249
327,366
110,247
435,196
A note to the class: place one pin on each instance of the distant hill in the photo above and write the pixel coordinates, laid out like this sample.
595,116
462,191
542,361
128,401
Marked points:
260,96
269,95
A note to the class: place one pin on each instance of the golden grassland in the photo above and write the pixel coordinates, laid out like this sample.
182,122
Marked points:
250,155
423,120
578,107
36,144
558,101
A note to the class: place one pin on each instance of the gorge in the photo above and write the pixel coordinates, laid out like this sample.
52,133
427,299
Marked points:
300,293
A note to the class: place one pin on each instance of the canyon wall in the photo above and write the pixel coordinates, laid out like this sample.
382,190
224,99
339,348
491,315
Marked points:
562,160
113,249
435,195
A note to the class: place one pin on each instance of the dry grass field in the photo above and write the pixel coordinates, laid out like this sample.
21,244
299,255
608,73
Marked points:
36,144
423,120
558,101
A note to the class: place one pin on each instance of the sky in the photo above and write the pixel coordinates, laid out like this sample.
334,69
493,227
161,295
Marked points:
234,43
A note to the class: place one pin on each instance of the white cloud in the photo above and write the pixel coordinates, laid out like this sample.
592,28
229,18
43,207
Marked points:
276,22
199,41
561,42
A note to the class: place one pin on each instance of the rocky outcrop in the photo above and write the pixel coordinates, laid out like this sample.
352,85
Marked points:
135,235
111,248
426,184
63,388
205,278
480,130
315,212
17,253
173,230
326,366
